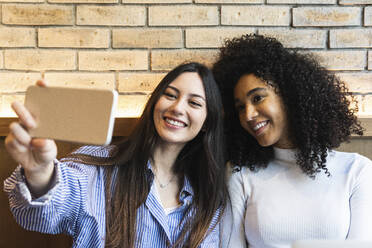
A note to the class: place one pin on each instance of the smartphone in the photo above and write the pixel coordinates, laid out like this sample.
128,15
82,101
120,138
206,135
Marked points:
72,114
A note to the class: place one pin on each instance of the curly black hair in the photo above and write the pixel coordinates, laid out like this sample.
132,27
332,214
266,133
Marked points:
319,106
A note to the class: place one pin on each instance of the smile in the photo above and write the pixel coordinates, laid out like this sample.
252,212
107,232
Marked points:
174,122
260,125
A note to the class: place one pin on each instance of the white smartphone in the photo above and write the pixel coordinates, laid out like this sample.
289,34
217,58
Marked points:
72,114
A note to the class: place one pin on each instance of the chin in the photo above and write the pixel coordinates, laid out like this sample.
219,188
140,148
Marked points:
265,143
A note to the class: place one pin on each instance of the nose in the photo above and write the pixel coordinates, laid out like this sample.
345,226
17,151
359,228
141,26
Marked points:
250,112
178,107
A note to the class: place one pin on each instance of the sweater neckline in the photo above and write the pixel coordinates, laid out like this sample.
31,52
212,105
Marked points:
285,155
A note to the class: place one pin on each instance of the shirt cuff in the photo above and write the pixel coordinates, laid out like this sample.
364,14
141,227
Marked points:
44,199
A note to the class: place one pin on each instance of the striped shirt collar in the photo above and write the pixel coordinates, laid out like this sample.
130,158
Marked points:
186,188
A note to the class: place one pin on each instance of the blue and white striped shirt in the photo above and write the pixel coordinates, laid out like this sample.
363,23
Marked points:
75,205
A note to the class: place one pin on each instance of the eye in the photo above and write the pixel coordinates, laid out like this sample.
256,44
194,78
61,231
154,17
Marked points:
257,98
195,103
170,95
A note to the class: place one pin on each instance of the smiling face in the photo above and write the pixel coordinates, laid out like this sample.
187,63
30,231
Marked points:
180,112
262,112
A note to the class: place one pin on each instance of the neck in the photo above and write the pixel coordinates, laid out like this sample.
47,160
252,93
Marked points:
285,146
164,157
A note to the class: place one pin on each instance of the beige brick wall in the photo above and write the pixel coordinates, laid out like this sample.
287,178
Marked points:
129,45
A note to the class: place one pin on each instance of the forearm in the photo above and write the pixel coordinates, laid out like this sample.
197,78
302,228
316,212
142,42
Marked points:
51,212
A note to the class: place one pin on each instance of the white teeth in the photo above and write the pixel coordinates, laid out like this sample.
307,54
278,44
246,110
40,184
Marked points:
175,123
259,125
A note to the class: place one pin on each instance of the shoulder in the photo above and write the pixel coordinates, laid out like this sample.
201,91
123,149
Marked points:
90,159
233,171
349,159
237,171
238,178
359,172
352,163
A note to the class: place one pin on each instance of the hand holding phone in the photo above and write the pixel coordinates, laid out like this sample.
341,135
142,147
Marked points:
34,155
77,115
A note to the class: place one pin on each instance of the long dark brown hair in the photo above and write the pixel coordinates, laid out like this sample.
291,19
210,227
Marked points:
201,160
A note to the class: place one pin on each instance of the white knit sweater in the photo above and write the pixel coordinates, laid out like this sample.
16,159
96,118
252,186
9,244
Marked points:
280,204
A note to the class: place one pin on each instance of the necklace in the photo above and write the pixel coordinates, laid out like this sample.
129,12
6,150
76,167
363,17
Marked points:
163,185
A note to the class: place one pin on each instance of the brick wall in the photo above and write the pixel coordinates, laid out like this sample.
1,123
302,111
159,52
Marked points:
129,45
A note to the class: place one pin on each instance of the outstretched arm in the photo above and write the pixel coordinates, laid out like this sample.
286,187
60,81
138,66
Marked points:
34,155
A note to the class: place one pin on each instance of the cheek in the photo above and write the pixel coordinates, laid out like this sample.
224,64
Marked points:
200,120
159,106
241,120
274,111
276,108
201,115
279,114
243,123
155,114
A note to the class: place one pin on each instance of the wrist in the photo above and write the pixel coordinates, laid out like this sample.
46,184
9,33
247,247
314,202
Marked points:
38,181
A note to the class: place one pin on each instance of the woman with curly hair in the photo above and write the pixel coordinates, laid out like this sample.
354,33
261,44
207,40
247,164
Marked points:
284,116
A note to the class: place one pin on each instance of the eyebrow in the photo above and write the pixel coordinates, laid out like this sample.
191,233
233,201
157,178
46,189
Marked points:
249,93
192,95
